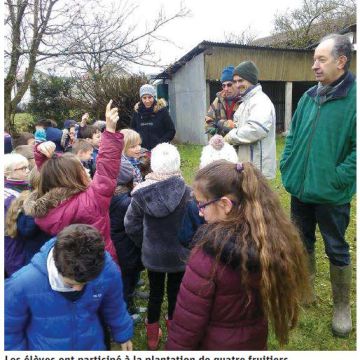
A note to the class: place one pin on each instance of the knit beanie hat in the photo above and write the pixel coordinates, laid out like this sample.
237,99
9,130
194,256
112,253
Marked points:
248,71
227,74
68,123
147,89
126,172
40,135
165,159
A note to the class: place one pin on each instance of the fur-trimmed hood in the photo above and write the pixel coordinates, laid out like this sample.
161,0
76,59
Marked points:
159,104
39,206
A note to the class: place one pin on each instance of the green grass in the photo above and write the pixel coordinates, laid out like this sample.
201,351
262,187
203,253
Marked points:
314,328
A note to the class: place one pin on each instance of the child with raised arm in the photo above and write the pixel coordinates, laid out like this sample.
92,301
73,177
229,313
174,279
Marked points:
66,195
248,267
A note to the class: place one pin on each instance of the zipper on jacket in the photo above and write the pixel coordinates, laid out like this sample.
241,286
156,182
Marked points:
73,339
308,150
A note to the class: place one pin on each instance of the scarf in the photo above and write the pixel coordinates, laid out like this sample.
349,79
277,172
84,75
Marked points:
324,92
136,165
154,177
18,185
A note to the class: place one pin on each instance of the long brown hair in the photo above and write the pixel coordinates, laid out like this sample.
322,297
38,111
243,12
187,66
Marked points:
64,171
257,221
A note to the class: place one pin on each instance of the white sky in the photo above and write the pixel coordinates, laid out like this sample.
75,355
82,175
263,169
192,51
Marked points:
210,20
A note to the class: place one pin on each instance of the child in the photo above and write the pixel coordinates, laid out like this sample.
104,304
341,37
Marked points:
16,172
83,150
248,266
153,221
128,253
217,149
20,226
56,302
67,196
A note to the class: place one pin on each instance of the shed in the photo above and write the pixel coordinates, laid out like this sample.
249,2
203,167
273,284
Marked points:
193,80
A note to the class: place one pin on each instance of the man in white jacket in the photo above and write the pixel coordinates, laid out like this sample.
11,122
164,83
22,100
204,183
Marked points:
255,121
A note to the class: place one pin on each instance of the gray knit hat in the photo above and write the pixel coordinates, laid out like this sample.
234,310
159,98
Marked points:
147,89
248,71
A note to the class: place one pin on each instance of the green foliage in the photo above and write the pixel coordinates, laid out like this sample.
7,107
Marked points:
50,98
24,122
313,331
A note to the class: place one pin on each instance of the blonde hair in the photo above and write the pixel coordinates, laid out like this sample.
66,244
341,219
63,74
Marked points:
16,205
131,138
13,160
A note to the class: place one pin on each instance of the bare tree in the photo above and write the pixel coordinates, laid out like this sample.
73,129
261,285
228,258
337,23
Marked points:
312,20
78,33
30,26
109,37
245,37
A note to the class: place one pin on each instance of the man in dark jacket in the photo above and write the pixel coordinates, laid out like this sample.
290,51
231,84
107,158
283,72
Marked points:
318,167
151,119
58,301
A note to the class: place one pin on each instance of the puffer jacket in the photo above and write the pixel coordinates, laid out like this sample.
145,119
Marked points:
153,221
154,125
59,207
319,160
216,313
255,134
39,318
128,253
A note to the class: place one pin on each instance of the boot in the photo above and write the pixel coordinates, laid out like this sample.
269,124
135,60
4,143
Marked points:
340,282
310,298
153,334
312,273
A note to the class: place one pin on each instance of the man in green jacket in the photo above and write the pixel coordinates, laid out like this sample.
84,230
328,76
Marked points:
318,167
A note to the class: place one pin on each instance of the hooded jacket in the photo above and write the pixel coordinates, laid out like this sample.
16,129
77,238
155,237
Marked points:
153,221
255,133
39,318
61,207
154,125
318,164
215,313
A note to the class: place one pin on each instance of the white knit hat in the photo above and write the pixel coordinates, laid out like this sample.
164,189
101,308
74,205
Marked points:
165,159
147,89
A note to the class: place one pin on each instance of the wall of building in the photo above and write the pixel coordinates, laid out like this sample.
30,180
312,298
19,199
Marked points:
187,101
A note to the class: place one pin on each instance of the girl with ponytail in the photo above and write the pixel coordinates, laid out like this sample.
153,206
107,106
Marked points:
248,266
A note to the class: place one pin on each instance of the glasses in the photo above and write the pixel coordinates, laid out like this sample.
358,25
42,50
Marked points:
202,206
227,85
24,168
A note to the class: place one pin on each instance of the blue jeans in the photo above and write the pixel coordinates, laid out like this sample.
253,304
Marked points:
333,221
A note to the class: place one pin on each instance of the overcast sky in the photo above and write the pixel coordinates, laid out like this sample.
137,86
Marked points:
210,20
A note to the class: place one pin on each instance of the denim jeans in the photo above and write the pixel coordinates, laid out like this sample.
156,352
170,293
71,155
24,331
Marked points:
332,220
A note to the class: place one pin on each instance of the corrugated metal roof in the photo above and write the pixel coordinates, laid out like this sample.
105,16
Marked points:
204,45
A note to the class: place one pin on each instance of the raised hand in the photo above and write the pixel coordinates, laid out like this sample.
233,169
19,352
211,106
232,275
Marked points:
84,119
112,117
47,148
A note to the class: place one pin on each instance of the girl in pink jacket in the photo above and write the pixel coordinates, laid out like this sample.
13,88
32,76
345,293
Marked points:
67,196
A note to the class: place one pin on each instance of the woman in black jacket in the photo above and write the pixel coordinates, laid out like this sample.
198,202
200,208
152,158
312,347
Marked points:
151,119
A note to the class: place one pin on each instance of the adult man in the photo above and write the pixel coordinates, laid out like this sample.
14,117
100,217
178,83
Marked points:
318,166
255,122
60,300
219,118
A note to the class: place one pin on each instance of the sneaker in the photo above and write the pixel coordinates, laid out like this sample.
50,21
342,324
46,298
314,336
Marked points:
141,294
